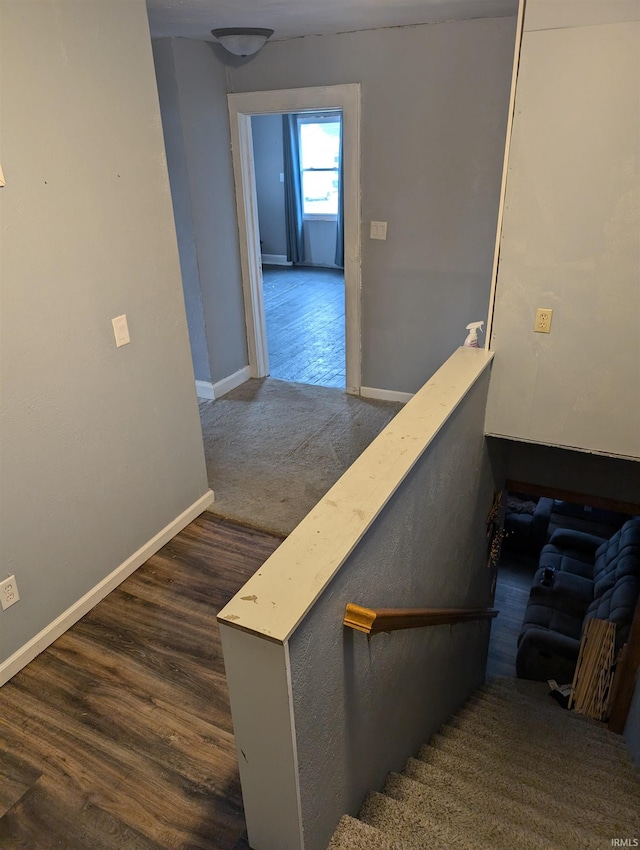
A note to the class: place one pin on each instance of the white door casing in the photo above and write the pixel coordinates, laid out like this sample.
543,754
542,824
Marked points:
241,107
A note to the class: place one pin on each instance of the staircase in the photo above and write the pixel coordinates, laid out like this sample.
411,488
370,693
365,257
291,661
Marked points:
511,771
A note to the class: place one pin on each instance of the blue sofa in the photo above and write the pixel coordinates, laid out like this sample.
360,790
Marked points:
591,577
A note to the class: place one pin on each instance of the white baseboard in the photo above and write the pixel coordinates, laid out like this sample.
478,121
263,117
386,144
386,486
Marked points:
385,395
231,382
276,260
68,618
204,389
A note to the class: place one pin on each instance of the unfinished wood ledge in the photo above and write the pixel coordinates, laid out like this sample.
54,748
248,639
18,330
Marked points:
374,620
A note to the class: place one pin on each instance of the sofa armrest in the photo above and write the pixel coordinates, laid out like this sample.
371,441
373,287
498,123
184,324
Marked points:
544,654
578,541
540,521
553,643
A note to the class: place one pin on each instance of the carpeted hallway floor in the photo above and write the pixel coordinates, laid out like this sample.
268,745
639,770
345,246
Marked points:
274,448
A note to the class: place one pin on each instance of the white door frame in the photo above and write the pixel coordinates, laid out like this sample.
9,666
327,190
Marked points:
241,107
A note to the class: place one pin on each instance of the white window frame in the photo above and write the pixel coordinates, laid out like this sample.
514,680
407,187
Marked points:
318,118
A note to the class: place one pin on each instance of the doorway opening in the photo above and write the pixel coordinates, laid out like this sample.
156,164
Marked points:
299,192
310,108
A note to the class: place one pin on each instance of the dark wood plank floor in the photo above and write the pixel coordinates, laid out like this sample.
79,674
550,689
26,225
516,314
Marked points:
119,736
515,575
304,312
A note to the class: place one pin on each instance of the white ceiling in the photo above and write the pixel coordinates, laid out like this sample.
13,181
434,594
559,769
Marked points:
291,18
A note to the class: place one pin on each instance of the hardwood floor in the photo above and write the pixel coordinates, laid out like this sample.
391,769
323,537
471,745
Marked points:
119,736
304,312
515,575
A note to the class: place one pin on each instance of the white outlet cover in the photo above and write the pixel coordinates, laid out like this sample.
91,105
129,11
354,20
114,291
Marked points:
8,592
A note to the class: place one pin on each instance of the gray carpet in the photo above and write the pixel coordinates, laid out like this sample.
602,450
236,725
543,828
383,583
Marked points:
274,448
511,770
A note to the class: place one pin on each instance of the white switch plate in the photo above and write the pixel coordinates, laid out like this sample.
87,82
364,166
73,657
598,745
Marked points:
121,330
282,176
378,230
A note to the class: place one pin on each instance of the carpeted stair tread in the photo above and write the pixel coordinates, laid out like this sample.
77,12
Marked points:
531,772
511,769
522,764
506,693
353,834
504,740
417,830
502,706
549,810
501,710
478,817
547,721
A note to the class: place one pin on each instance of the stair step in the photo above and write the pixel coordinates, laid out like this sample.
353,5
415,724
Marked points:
512,711
417,831
503,705
353,834
508,743
526,771
511,770
523,693
551,814
484,817
516,762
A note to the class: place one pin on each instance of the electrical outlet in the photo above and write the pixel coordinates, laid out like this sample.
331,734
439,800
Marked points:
8,592
543,321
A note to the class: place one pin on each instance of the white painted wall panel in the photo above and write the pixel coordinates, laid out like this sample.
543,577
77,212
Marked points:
571,242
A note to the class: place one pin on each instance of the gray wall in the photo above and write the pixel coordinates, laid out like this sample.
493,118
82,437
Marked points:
101,447
269,164
193,91
363,706
320,242
181,197
571,241
562,469
434,109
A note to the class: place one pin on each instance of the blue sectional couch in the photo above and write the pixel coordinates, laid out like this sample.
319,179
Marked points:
590,577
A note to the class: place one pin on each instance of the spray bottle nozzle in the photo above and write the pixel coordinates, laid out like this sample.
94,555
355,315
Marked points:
472,339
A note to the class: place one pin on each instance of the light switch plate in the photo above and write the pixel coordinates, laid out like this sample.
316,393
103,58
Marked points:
121,330
378,230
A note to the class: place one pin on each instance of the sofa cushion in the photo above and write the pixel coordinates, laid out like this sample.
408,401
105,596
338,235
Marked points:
618,558
571,551
560,607
617,605
593,578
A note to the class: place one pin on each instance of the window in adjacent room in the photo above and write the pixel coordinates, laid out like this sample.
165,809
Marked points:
320,163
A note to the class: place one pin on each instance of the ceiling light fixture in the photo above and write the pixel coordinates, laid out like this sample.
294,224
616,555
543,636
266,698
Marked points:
242,41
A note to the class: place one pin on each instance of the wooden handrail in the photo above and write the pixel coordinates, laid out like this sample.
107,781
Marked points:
374,620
